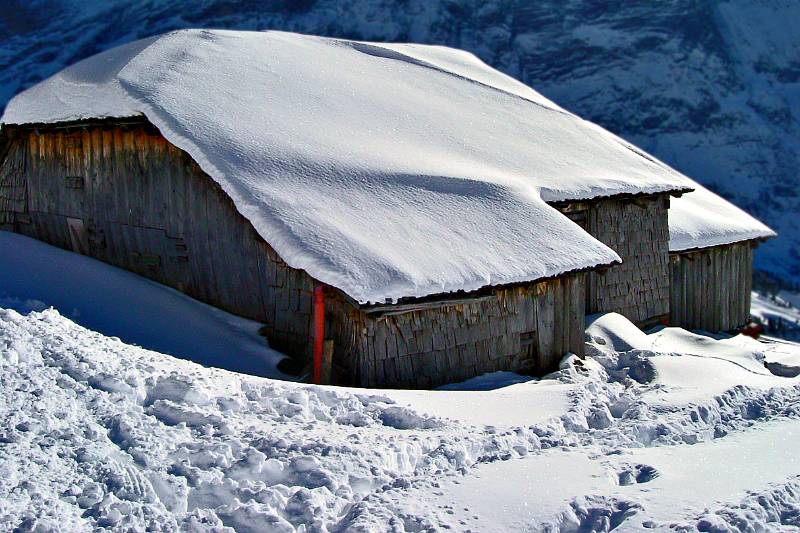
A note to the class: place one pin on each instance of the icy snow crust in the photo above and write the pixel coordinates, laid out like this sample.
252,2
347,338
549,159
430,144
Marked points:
701,219
383,170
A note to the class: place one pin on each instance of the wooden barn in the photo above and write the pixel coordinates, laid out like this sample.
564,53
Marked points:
711,262
348,209
117,191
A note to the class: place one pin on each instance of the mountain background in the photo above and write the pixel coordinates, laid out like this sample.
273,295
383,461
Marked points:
710,87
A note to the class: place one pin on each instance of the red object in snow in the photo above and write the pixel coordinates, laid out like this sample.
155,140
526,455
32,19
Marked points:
319,331
752,329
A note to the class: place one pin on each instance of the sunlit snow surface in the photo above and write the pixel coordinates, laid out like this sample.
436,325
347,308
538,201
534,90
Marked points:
117,303
701,219
652,430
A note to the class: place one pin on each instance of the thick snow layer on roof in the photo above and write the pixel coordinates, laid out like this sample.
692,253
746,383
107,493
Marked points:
459,63
384,170
701,219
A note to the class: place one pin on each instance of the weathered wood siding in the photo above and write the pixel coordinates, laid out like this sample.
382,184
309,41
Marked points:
128,197
526,329
710,288
12,183
638,230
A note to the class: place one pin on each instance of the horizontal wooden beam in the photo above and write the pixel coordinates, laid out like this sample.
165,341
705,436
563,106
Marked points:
388,310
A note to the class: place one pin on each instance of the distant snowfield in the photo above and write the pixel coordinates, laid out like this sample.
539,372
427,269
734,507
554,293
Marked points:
652,431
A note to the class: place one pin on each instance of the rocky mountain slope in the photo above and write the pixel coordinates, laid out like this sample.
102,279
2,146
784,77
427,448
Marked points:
712,88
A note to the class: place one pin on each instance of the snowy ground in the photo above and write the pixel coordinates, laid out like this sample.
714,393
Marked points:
97,433
35,276
667,430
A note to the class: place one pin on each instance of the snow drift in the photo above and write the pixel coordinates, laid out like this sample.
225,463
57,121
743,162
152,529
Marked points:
99,435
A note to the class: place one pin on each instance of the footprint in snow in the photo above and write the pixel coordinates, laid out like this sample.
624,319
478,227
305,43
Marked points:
637,474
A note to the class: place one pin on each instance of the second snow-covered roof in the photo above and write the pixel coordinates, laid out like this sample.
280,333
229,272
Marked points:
384,170
701,219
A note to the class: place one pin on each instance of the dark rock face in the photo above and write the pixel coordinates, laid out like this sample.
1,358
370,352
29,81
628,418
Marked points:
710,87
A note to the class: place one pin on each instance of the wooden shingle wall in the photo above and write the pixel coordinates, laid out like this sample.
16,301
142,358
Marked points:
126,196
526,329
710,288
638,230
12,182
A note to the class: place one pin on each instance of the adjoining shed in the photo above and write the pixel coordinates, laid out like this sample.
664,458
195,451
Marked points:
345,192
711,261
636,227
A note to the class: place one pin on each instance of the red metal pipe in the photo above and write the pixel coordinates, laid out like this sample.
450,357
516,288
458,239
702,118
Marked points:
319,330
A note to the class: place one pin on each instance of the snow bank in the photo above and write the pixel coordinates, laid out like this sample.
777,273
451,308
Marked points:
118,303
94,433
682,366
384,170
700,219
615,332
98,434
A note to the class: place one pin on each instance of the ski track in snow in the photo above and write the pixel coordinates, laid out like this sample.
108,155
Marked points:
97,433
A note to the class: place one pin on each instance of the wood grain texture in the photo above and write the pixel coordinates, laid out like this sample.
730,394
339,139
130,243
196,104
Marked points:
148,207
711,287
524,329
638,230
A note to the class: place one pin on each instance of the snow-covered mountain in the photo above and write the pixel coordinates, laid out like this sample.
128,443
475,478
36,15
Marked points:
712,88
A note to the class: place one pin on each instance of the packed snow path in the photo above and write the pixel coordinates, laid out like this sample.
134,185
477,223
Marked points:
96,433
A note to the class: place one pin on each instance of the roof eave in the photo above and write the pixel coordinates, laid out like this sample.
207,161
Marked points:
444,299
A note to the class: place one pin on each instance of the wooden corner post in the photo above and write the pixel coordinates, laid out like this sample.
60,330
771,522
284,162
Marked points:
319,331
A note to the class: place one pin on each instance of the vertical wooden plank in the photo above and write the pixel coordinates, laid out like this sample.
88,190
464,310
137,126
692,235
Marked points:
729,289
748,281
714,304
708,284
737,294
102,192
705,287
688,294
733,286
31,174
534,352
544,315
559,341
577,313
680,316
686,297
686,300
746,284
674,288
724,292
196,191
722,299
691,269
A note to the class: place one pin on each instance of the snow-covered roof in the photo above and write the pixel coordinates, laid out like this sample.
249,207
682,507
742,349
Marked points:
384,170
701,219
